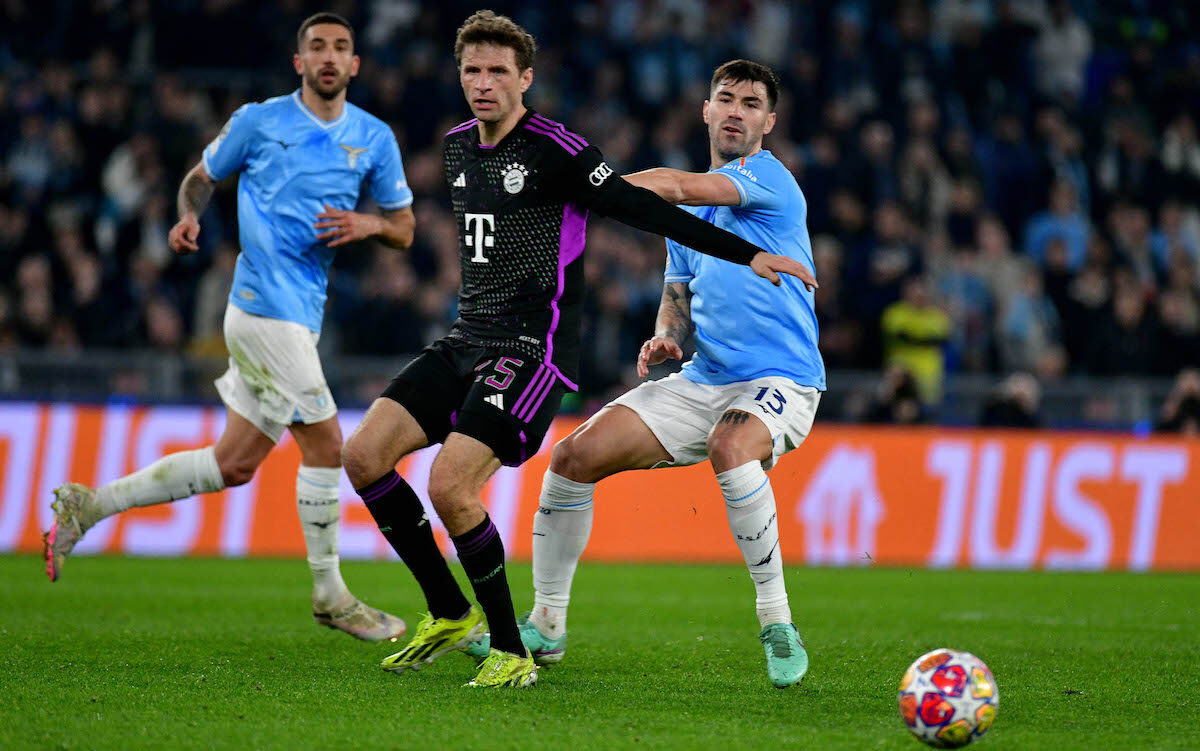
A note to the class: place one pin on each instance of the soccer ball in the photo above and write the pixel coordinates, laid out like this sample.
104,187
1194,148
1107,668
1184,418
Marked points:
948,698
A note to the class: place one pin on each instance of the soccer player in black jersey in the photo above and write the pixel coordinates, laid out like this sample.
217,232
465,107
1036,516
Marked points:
521,187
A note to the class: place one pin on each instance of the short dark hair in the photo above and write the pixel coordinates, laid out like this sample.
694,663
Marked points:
748,70
317,18
485,27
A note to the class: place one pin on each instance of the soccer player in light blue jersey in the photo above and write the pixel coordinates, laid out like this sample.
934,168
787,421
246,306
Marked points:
302,159
747,396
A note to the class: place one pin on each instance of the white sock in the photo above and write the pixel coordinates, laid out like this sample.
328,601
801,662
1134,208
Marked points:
561,528
172,477
317,502
750,506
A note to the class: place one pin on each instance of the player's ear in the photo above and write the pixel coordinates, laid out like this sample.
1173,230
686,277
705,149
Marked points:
354,63
770,123
297,64
704,112
526,79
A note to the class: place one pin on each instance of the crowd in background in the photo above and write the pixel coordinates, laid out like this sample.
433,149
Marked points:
1003,187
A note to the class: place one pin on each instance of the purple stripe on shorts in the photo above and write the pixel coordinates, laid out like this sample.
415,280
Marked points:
462,126
468,547
375,494
538,399
528,388
574,138
537,389
572,150
572,236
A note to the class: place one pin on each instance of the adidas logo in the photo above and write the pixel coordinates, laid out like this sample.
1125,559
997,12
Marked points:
460,181
496,400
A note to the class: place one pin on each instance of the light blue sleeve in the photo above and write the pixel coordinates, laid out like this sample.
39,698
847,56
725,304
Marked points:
230,150
679,266
388,185
758,185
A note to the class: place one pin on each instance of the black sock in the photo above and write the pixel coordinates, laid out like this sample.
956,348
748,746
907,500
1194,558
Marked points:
401,518
481,552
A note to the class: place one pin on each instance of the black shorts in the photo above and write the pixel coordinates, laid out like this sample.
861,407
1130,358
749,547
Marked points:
502,399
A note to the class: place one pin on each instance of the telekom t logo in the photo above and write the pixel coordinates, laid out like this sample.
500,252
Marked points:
480,235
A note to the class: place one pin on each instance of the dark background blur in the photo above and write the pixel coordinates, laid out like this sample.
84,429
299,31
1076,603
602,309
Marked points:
1004,197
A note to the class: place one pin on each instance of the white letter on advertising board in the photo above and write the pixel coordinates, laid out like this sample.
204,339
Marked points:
18,439
1150,468
950,460
984,552
1077,512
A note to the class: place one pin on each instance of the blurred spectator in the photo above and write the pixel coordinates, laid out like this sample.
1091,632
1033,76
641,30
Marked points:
1125,344
914,332
1014,404
1181,411
924,184
212,296
1063,221
1061,52
1029,331
897,400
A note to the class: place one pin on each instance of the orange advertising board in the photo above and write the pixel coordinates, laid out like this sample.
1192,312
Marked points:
849,496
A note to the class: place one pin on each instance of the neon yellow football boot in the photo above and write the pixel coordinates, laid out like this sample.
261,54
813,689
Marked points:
434,638
505,669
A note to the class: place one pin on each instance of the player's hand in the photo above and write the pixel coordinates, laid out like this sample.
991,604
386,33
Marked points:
655,351
343,226
769,266
182,237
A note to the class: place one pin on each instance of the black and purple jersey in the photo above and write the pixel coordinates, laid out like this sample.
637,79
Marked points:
522,208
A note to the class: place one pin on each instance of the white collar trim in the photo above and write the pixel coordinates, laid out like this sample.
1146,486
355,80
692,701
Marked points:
326,125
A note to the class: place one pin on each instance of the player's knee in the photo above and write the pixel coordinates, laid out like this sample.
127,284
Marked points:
237,472
447,491
571,459
358,462
326,452
728,451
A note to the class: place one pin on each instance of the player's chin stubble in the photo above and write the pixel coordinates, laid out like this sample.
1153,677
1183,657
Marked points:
326,92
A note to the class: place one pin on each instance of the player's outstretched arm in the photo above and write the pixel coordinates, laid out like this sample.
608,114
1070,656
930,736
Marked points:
194,194
394,228
672,329
644,210
688,188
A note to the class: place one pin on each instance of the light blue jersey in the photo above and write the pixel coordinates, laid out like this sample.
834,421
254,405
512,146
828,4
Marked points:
747,328
293,163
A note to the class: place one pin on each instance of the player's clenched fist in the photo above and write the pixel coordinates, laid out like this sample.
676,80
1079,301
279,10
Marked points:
655,351
182,238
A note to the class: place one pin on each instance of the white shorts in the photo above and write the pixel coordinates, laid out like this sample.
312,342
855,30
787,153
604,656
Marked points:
274,377
682,413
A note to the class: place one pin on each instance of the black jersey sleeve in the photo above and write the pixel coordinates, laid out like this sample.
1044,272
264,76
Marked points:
592,184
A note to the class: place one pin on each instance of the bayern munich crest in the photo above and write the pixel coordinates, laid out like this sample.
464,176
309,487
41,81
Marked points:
514,178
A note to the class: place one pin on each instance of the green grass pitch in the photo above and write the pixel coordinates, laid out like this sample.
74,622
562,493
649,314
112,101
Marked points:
141,653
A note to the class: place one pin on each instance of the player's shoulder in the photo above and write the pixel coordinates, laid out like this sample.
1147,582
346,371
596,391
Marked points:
272,107
764,167
461,132
553,135
371,124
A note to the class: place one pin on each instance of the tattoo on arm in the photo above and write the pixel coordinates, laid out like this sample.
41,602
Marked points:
675,313
735,417
194,193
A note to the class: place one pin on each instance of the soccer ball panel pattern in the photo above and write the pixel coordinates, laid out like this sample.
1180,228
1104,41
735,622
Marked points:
948,698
